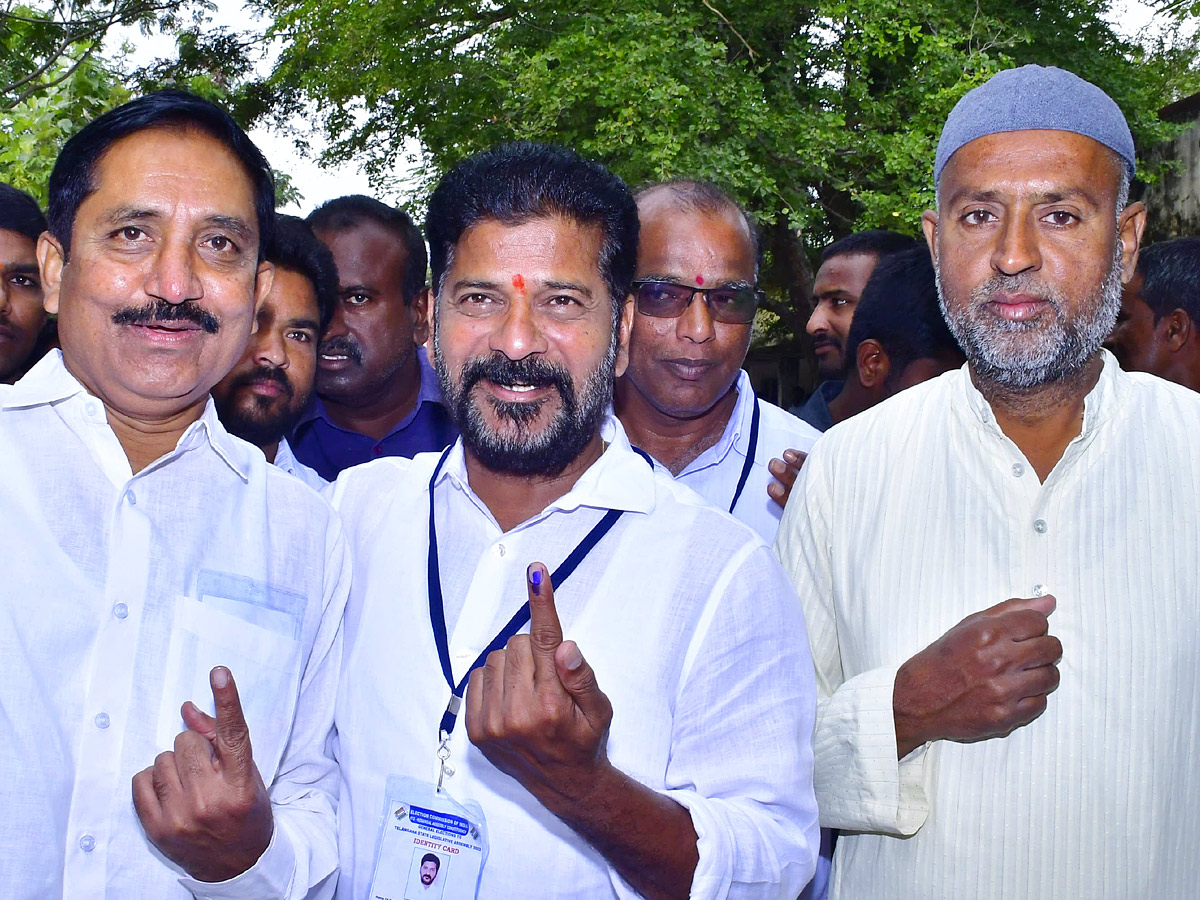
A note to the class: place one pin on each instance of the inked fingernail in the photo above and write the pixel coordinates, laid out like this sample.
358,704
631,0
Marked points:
535,578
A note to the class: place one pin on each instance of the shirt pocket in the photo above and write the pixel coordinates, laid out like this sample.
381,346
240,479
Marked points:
265,662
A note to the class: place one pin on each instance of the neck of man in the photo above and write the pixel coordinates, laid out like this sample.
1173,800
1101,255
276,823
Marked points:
270,451
672,440
1044,419
377,414
145,440
513,499
850,401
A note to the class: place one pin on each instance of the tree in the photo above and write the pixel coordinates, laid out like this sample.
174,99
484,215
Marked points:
821,116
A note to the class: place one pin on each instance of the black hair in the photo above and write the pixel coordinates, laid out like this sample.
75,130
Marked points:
709,198
19,212
1171,277
345,213
431,857
877,242
515,183
899,308
295,247
73,177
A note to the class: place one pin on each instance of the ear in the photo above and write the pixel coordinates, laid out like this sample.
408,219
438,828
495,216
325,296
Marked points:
929,225
624,328
1130,225
873,363
264,279
1175,329
420,317
51,261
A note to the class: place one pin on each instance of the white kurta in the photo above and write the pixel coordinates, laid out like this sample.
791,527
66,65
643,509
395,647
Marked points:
913,515
692,628
120,592
714,473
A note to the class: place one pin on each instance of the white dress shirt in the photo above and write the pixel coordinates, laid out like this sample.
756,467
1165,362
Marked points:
690,624
714,473
286,460
120,592
919,512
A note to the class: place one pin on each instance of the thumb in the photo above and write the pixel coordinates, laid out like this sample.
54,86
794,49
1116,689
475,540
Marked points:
579,680
233,734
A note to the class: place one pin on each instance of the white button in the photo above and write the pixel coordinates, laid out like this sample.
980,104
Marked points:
91,409
87,843
131,498
1039,525
499,549
120,610
101,720
1018,469
1039,590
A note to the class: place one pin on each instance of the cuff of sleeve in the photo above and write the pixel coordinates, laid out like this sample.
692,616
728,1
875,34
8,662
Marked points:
860,784
268,879
714,864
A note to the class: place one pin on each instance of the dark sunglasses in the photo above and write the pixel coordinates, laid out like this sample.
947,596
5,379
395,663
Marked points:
665,300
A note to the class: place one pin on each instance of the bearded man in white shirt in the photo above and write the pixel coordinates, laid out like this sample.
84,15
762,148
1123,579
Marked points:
649,735
171,602
972,745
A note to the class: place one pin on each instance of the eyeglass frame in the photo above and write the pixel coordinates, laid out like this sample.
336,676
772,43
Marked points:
759,297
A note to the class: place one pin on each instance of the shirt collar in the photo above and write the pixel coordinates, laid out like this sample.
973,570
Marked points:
49,382
737,430
1105,397
620,479
429,391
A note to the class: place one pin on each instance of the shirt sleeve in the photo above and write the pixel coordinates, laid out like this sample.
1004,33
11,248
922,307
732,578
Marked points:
301,860
860,784
741,755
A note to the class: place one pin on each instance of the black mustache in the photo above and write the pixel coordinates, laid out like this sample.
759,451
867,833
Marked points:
342,345
162,311
265,373
531,370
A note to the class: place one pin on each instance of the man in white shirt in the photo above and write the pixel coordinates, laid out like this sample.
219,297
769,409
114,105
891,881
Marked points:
662,750
684,398
171,603
268,389
974,745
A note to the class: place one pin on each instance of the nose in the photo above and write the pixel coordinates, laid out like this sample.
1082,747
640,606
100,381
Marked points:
337,323
1016,246
818,322
696,323
269,349
5,300
518,333
173,276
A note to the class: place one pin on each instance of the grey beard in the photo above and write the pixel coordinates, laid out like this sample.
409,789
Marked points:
1025,355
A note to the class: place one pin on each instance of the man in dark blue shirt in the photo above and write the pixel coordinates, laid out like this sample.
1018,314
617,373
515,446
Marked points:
376,393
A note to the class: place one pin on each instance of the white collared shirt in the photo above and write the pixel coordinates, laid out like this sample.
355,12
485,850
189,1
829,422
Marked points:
690,624
714,473
919,512
286,460
120,592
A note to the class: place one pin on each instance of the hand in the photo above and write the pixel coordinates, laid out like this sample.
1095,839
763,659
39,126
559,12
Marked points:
204,805
535,710
785,471
983,678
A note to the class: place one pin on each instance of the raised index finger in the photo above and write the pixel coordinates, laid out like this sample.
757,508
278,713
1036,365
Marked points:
233,734
545,631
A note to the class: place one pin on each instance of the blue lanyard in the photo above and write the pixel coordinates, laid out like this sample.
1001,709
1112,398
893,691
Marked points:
437,611
749,463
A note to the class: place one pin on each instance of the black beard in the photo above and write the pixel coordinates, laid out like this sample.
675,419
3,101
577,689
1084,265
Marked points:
258,424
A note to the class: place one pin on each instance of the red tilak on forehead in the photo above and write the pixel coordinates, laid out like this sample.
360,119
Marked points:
699,279
519,281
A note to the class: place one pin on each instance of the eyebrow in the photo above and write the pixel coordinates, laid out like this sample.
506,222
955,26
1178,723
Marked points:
1053,196
303,323
569,286
239,226
737,284
20,269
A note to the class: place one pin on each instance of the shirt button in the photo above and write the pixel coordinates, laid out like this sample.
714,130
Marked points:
101,720
131,498
1039,525
87,843
1039,590
120,610
91,409
378,451
1018,469
499,549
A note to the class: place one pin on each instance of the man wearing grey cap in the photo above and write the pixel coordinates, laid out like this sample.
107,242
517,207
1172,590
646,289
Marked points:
1006,707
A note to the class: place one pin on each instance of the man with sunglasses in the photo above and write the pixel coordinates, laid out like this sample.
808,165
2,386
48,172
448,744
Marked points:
684,398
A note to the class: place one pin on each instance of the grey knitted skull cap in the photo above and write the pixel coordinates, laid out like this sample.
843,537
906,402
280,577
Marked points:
1035,98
